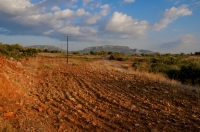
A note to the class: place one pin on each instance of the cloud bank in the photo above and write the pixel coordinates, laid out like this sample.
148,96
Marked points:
187,41
46,18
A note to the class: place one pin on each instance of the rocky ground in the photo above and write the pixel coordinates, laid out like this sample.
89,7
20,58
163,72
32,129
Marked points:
48,95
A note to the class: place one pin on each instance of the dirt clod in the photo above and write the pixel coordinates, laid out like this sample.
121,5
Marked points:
8,114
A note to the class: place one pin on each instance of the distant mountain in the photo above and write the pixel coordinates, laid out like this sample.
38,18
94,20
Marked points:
42,47
112,48
122,49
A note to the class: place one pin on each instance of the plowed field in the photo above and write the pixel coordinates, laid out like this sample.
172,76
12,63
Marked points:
49,95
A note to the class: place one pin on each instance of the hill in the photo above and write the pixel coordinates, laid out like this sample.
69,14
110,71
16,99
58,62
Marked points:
122,49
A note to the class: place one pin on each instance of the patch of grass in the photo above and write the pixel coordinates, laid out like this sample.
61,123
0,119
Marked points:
74,64
58,79
87,59
47,66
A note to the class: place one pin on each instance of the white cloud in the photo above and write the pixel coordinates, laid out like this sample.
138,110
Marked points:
55,8
178,1
105,9
78,31
175,30
170,15
127,27
15,7
64,14
81,12
92,19
187,43
188,40
81,33
48,32
197,3
36,20
69,29
129,1
86,1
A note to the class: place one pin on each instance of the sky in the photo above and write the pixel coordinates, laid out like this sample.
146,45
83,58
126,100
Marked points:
165,26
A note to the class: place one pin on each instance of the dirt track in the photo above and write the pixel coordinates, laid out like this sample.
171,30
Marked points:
83,96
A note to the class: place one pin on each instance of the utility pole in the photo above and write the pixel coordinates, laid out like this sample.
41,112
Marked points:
67,47
61,47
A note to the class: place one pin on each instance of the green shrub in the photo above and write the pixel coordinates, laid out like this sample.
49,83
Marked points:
55,51
138,66
118,56
178,67
197,53
17,51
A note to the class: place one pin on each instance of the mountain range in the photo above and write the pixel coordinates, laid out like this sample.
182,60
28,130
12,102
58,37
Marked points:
112,48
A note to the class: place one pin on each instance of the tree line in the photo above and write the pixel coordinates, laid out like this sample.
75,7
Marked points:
17,51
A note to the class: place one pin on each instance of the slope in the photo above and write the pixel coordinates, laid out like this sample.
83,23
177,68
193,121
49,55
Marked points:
94,96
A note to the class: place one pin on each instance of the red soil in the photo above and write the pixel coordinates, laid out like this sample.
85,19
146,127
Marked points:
45,94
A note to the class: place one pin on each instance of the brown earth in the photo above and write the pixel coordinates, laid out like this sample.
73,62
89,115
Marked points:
48,95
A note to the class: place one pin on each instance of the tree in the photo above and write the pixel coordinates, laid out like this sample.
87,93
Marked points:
46,50
110,52
197,53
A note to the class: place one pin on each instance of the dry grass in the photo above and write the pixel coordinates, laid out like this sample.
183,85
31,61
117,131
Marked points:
162,79
5,126
127,68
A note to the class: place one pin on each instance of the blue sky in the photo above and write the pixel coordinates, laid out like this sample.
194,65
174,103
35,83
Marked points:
165,26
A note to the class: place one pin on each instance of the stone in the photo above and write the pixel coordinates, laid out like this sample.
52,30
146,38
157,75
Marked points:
154,130
6,76
72,99
79,106
117,116
133,107
166,92
93,123
40,109
9,114
19,64
137,124
21,102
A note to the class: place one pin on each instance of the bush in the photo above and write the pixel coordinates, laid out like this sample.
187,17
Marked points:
76,53
173,74
138,66
55,51
178,67
118,56
197,53
190,72
17,51
46,51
